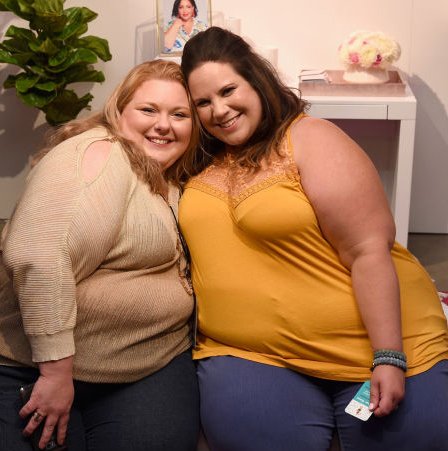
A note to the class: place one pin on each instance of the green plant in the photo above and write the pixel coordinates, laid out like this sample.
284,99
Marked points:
52,54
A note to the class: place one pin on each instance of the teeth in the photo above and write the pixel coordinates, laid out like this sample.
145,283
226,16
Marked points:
229,123
159,141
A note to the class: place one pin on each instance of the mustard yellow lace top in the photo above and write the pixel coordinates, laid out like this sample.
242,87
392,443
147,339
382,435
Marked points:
270,288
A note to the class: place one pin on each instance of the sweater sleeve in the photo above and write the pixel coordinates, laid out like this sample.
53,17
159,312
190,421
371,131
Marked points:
61,231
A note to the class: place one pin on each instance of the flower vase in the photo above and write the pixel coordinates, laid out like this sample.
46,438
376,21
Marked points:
356,74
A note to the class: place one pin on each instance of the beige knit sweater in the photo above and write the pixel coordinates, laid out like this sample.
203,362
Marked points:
96,268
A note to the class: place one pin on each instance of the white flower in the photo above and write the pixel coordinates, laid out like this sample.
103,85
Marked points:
369,49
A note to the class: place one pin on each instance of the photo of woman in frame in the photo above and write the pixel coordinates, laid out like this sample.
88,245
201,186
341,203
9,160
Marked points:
185,19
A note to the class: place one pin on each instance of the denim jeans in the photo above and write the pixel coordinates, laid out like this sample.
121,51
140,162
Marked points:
158,412
249,406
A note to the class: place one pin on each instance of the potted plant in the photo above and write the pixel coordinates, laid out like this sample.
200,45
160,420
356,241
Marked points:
52,54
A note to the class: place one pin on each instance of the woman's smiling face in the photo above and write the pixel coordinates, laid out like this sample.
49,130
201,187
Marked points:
185,10
158,119
228,107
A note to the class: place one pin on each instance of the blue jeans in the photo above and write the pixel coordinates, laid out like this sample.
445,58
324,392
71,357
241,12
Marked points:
248,406
158,412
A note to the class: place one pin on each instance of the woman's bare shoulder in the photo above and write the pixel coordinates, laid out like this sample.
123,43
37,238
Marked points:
95,158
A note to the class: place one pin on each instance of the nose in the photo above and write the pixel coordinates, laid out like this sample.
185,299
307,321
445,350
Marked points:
219,109
162,124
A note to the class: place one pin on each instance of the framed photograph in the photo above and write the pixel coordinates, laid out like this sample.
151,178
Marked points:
178,21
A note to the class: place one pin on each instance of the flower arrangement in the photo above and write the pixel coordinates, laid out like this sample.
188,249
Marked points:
369,50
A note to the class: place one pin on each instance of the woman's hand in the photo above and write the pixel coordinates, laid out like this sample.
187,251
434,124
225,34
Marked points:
386,389
171,33
51,400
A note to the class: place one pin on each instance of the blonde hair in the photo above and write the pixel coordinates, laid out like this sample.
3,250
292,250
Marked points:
146,169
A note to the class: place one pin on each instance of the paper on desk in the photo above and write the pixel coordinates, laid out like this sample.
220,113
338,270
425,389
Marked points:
313,75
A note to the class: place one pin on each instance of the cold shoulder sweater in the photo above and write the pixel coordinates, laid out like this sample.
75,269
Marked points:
97,270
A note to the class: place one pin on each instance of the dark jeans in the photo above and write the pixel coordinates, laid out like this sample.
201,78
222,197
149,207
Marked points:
249,406
158,412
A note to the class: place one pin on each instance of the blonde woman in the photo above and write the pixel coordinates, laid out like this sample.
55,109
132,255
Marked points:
101,322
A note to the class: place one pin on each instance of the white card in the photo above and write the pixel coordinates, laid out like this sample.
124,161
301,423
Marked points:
359,405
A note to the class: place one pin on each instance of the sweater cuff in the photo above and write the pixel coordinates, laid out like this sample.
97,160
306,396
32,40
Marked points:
56,346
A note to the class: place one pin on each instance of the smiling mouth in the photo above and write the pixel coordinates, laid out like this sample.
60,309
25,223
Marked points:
159,140
230,122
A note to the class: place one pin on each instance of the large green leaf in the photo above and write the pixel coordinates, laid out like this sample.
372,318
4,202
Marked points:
49,16
48,24
87,14
12,56
14,45
47,86
47,47
77,57
82,74
36,98
65,107
24,58
76,26
25,82
16,7
59,57
77,22
20,33
38,70
6,57
98,45
49,7
26,7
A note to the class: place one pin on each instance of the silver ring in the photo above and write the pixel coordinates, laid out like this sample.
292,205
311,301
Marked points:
37,417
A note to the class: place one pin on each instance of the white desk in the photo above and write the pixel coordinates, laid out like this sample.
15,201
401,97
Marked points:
397,148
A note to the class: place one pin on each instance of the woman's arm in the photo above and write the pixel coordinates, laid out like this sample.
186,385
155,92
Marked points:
171,33
61,231
348,198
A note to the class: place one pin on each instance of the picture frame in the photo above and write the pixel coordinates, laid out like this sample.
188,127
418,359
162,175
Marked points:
173,32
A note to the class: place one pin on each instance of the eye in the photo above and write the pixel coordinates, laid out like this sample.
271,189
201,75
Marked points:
180,115
148,110
202,103
228,91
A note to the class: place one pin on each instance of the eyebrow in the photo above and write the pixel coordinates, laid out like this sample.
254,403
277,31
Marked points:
199,99
230,84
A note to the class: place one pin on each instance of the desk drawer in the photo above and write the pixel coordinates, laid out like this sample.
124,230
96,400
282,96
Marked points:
326,111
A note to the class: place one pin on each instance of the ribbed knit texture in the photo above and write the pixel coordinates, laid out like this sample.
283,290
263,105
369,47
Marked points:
96,269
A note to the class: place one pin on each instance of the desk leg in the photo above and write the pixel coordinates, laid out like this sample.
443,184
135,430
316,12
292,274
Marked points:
401,201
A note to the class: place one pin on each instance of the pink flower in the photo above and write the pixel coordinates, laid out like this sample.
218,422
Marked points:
354,58
378,60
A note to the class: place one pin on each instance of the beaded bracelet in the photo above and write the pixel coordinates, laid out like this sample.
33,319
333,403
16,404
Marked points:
389,357
389,353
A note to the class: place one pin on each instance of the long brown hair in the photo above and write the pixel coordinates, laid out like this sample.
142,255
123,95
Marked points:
146,169
280,105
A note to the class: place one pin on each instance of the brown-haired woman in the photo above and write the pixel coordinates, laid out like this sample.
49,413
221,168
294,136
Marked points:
297,276
183,25
101,326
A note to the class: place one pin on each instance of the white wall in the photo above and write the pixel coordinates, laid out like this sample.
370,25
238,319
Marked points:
429,80
307,35
125,25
